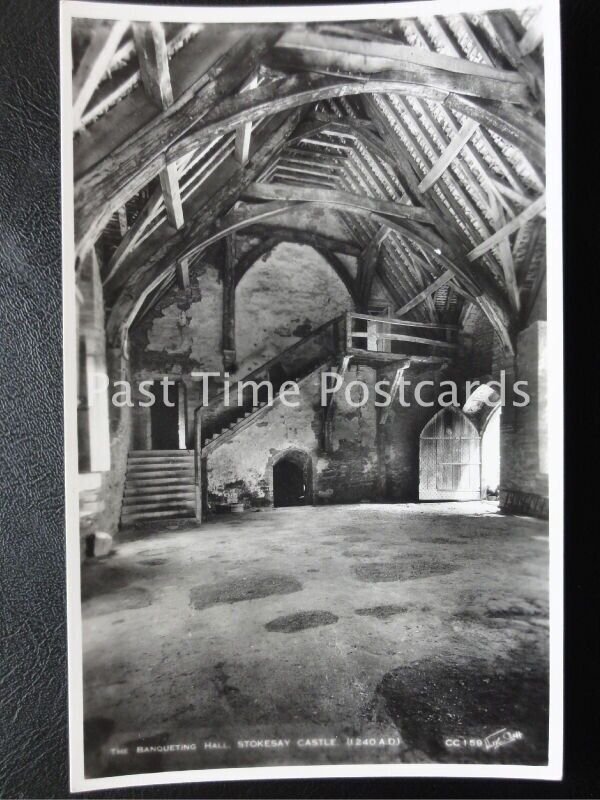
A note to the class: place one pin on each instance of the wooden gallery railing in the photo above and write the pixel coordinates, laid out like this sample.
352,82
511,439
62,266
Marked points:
386,339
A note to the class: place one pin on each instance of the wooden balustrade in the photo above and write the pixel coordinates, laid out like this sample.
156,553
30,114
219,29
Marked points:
386,339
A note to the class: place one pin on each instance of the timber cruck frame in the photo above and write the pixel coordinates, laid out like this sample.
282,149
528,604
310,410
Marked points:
427,144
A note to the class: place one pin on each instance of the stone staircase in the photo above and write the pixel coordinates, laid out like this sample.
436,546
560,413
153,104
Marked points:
235,422
318,347
366,339
160,484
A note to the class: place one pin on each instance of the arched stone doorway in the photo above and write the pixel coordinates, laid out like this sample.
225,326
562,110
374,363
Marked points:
449,458
292,479
484,407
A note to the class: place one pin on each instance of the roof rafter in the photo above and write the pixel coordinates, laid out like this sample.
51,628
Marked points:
317,52
510,227
118,176
151,48
96,60
141,276
425,136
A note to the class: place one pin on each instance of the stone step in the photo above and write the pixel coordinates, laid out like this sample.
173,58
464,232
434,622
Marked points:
158,505
175,465
181,478
145,482
161,479
185,493
236,422
153,460
142,515
161,453
135,461
168,469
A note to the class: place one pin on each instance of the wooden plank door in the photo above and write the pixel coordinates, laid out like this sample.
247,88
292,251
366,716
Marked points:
449,458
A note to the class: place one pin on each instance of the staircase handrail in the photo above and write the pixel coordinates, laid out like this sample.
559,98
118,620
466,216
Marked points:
271,362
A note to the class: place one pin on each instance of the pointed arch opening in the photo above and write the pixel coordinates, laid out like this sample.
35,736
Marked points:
449,458
292,479
491,455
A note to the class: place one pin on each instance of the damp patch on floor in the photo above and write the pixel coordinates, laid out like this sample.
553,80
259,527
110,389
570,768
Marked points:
503,705
515,608
382,612
496,610
125,600
252,587
401,570
301,621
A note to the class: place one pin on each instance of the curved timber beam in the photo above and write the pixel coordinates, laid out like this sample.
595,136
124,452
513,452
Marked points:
522,130
107,185
138,273
319,52
286,197
110,182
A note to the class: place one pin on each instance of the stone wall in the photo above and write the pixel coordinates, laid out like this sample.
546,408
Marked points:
240,469
283,296
103,429
281,299
400,435
524,431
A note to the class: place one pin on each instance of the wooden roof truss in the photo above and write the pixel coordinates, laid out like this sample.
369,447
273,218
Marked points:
425,136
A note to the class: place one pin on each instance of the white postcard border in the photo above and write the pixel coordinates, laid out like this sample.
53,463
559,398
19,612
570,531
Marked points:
70,9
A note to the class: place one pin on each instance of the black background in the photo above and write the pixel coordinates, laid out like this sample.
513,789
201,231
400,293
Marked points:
33,664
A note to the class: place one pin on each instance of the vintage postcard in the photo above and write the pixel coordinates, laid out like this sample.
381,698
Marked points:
313,388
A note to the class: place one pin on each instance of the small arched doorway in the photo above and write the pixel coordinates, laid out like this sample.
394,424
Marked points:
490,455
449,458
292,479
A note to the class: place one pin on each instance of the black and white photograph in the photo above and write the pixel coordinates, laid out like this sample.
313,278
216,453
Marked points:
313,382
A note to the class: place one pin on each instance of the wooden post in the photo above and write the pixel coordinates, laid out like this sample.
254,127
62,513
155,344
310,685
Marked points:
329,411
244,132
183,273
229,354
181,415
349,331
394,391
372,334
198,464
95,428
152,51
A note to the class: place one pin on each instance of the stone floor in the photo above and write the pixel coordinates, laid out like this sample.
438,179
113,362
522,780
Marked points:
319,635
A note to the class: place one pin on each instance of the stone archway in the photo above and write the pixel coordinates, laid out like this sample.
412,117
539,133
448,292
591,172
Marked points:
491,454
291,478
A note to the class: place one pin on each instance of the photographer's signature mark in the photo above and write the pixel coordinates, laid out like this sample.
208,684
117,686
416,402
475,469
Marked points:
501,738
494,741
